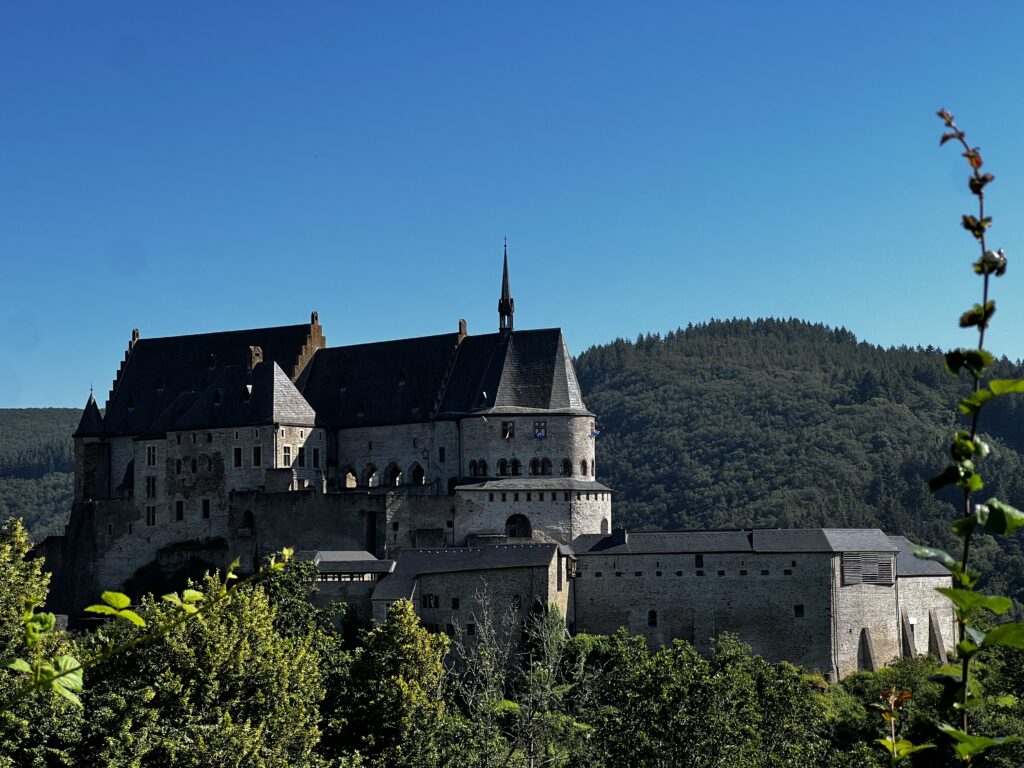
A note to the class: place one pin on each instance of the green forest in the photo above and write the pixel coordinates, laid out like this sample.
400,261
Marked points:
264,679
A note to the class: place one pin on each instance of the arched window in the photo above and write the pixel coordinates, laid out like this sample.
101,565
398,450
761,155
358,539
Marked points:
370,477
583,467
247,519
592,468
545,466
502,466
566,467
517,467
393,474
472,468
416,474
604,525
349,478
518,527
482,468
652,618
534,466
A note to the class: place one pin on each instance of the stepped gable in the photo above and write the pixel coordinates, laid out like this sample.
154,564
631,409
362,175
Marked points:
238,397
387,382
157,372
529,370
91,423
413,563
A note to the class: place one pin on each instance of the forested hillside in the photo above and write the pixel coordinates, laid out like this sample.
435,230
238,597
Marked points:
36,467
781,422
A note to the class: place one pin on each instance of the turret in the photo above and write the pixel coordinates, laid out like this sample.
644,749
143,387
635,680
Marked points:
91,457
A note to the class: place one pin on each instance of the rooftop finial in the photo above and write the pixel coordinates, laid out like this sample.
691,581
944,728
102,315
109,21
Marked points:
506,304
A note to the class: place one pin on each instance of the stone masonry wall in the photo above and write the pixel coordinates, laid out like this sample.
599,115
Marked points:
552,515
567,437
864,605
404,446
917,596
782,609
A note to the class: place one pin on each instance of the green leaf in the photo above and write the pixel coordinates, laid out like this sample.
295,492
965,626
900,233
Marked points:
1001,387
116,600
949,475
1009,635
18,665
172,598
133,617
967,600
975,401
978,315
969,745
192,596
999,518
964,526
101,609
938,555
975,361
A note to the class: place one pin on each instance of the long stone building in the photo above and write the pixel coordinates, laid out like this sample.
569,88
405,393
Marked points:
431,468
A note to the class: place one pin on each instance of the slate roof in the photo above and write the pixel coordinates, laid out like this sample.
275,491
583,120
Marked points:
908,565
158,371
533,483
529,370
413,563
389,382
91,423
758,540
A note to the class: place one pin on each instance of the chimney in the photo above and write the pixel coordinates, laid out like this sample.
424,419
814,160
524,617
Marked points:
619,536
462,330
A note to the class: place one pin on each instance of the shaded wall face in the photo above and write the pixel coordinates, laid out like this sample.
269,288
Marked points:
780,604
565,438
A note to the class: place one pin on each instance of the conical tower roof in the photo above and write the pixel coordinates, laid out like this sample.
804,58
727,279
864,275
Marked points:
91,423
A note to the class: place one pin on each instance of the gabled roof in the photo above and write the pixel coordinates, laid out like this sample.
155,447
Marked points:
239,397
758,540
388,382
529,370
413,563
91,423
158,371
908,565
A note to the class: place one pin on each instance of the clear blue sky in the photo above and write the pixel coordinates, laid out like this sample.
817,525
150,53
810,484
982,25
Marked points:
190,167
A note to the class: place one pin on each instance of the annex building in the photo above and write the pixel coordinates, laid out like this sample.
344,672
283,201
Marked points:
432,469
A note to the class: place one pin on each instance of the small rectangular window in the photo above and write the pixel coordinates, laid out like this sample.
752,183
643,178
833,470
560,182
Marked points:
150,487
529,496
700,573
504,497
721,573
657,573
301,457
638,573
195,438
177,467
394,526
287,456
598,574
618,573
540,496
515,496
490,497
679,573
743,573
316,458
238,457
566,496
540,429
150,455
698,561
787,572
150,516
508,430
471,629
764,572
209,437
179,510
206,509
257,456
798,611
255,433
131,528
110,529
455,603
440,454
179,438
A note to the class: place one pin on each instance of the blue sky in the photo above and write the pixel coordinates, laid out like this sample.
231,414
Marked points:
194,167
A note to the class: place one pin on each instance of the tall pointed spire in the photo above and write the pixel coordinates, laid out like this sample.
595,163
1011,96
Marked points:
91,423
506,304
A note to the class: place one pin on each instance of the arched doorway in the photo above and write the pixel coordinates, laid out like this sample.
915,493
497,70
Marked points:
518,527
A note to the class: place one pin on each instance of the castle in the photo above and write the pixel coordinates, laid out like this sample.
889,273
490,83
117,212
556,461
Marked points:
432,468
